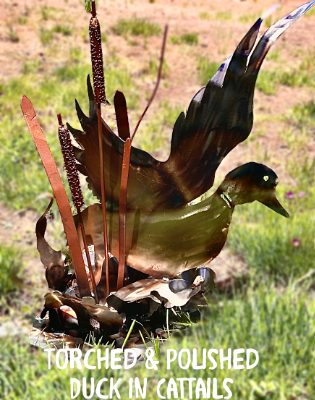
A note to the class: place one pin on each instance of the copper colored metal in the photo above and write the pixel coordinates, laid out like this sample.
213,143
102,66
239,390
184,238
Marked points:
60,195
100,141
75,188
88,256
124,132
122,213
121,115
97,58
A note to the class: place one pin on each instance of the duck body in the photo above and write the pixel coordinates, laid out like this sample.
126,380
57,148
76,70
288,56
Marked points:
165,243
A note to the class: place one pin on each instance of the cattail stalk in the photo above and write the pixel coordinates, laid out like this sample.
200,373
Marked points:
100,97
75,188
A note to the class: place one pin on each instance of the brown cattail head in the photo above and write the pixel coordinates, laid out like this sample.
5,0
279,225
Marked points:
70,165
97,58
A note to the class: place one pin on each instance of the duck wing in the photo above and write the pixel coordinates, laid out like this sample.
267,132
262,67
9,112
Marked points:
219,117
144,176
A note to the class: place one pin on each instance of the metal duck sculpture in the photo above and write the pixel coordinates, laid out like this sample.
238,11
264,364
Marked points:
165,235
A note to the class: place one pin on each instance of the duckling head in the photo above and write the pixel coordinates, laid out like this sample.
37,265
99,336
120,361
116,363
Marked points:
250,182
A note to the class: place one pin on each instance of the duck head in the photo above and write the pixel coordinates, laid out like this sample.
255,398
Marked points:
250,182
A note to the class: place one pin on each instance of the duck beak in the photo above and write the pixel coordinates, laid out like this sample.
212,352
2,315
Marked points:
273,203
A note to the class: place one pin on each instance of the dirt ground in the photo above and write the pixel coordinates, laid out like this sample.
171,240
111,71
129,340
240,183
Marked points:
218,36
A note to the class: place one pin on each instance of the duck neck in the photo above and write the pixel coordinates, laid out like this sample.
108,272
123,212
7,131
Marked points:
224,195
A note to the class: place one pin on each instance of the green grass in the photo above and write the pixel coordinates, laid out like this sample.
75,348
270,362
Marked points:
76,55
303,114
280,326
310,13
12,35
264,239
267,321
273,55
205,15
249,18
46,36
269,21
22,20
152,68
192,39
10,267
269,81
65,30
88,5
206,69
224,15
48,13
136,27
31,67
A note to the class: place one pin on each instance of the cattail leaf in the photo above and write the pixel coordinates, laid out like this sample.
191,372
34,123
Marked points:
121,115
88,5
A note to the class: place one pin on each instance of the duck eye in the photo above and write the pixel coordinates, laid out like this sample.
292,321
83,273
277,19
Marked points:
266,178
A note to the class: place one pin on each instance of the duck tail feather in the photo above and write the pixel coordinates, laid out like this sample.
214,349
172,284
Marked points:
236,63
271,35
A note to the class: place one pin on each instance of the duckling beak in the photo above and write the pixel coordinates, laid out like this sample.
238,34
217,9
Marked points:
273,203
